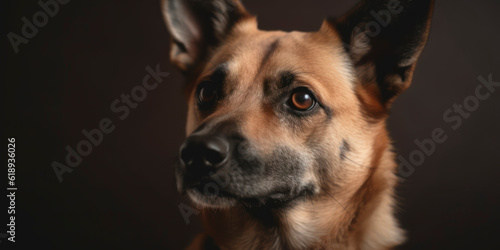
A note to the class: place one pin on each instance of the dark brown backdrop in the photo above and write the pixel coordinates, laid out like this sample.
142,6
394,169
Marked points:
123,195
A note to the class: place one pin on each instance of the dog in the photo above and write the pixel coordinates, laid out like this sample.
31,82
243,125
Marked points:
287,146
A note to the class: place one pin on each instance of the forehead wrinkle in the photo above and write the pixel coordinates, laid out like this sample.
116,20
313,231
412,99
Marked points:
271,49
249,61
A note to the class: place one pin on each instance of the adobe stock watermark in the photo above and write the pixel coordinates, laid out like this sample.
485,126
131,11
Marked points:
40,19
209,189
122,107
454,117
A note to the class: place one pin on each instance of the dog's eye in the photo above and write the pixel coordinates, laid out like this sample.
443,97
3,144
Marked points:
302,100
206,93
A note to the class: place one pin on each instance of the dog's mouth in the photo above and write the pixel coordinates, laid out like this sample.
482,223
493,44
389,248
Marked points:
208,194
216,200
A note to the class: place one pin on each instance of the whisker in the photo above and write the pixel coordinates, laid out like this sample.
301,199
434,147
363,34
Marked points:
336,200
310,198
349,159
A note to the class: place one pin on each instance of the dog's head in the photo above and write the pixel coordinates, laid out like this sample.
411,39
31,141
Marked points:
275,116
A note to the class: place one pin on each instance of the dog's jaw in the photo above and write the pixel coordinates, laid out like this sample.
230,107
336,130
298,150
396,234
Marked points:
273,200
319,222
210,201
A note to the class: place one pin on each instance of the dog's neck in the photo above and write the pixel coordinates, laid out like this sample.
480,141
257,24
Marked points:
361,218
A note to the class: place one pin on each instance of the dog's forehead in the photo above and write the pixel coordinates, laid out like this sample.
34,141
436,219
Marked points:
253,56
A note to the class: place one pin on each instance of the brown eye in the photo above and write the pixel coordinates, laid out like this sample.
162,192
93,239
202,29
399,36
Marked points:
206,94
302,100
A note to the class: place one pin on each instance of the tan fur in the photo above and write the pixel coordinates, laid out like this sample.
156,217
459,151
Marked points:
361,216
351,204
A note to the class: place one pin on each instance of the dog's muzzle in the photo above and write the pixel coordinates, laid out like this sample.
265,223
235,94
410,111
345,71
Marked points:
208,167
219,166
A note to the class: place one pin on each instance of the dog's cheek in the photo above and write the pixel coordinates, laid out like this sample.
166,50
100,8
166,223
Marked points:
284,170
288,170
329,155
324,168
286,164
246,178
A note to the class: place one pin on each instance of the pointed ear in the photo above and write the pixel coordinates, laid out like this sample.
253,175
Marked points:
197,26
384,39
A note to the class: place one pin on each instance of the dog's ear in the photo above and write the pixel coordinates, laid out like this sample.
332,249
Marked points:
384,39
197,26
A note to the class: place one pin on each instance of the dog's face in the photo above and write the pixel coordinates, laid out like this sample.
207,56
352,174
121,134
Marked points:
263,115
274,116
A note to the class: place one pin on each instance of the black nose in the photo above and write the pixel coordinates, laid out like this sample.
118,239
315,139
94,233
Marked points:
204,153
